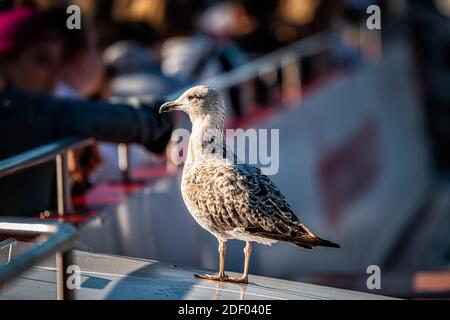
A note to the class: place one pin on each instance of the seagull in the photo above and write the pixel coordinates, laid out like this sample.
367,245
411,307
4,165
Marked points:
230,199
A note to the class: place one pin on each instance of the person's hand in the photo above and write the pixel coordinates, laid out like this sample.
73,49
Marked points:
82,162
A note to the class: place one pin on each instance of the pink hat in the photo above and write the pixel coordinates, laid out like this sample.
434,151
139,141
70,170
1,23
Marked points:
23,27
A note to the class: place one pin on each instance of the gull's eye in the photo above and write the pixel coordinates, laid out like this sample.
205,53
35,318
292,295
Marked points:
190,97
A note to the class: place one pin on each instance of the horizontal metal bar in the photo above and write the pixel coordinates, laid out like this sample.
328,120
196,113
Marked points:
40,155
309,46
61,237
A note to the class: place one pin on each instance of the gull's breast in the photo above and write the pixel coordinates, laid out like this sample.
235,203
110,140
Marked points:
201,201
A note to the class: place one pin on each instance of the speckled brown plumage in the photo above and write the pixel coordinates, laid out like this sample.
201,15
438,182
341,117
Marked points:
237,201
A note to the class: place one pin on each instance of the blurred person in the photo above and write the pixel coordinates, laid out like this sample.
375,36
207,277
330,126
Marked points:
82,69
30,51
130,48
355,43
132,69
134,61
265,26
30,58
152,12
137,73
429,22
118,20
186,53
81,76
134,55
273,24
192,55
254,20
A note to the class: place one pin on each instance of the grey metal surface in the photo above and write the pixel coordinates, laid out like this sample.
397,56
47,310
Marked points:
115,277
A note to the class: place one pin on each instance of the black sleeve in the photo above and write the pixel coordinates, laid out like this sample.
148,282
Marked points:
135,122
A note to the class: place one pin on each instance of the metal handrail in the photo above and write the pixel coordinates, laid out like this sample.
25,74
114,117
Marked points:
60,239
309,46
49,152
40,155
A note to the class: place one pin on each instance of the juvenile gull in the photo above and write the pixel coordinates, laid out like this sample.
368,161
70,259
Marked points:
229,199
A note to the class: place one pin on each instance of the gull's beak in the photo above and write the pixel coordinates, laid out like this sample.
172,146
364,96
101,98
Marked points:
170,106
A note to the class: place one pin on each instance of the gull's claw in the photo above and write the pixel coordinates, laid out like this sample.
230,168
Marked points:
221,278
243,280
213,277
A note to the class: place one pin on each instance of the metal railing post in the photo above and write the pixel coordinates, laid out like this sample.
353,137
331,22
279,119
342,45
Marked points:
123,153
63,261
290,78
64,197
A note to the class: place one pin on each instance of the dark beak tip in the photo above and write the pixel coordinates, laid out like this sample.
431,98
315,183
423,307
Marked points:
163,108
167,107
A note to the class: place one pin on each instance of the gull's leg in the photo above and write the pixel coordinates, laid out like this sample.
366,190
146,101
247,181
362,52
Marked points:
222,252
221,276
244,277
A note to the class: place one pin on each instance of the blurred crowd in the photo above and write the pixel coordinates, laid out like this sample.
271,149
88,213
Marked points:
143,48
151,48
164,44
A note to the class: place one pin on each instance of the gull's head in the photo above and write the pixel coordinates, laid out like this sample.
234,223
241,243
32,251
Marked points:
198,102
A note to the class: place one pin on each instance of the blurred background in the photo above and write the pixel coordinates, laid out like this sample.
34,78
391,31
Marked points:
364,120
